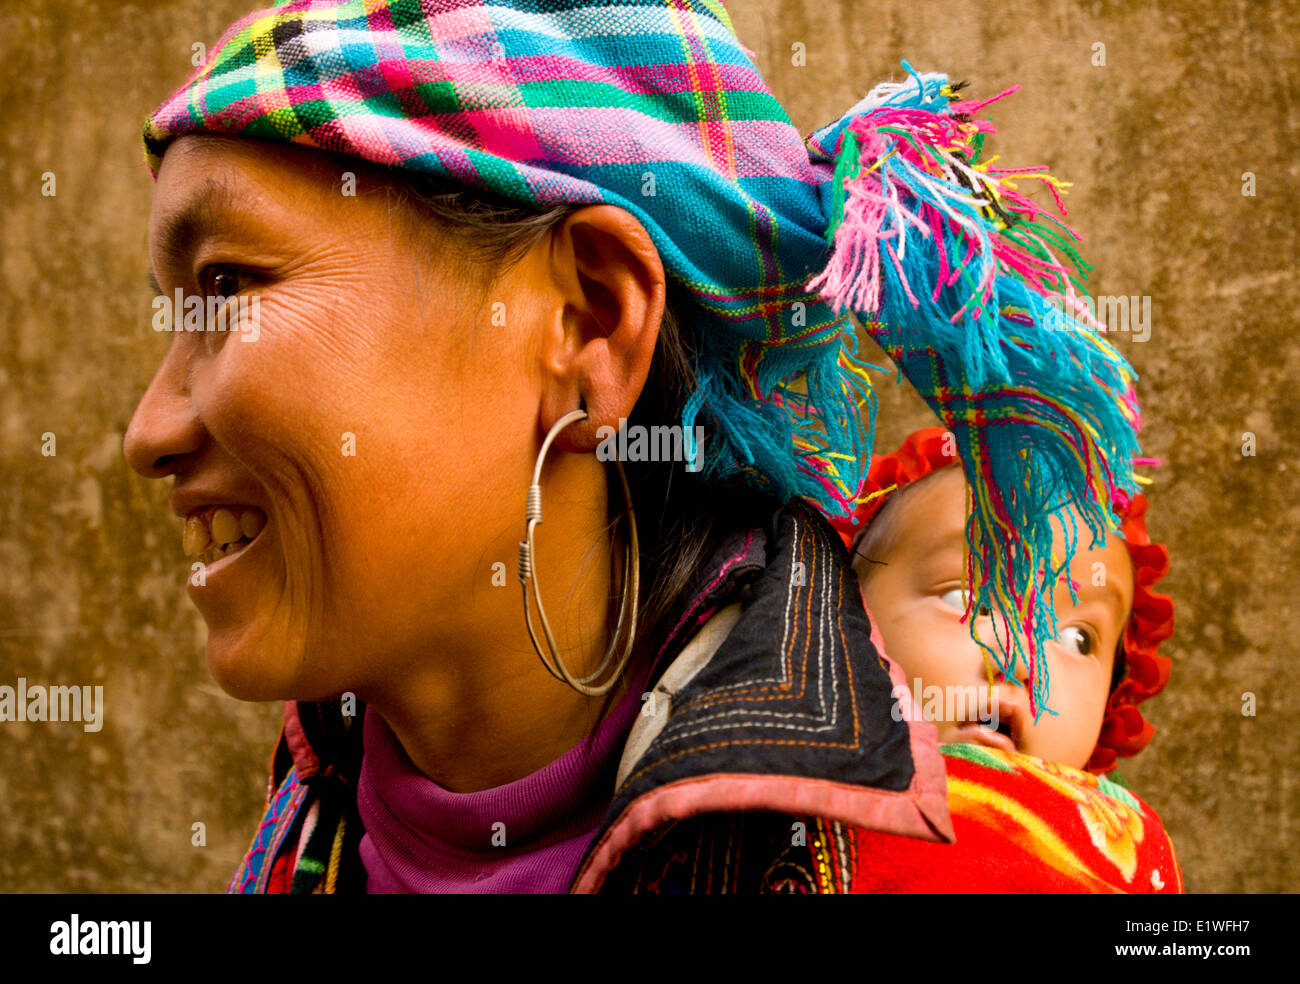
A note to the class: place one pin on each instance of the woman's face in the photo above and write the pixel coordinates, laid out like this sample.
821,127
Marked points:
358,420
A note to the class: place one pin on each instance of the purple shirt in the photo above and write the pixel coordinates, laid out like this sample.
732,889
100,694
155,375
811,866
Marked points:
423,838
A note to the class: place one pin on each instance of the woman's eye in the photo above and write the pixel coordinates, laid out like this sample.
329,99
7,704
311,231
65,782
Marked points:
221,281
1077,640
220,286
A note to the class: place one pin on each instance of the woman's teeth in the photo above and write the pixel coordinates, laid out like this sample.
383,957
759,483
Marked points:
225,527
195,538
251,522
213,533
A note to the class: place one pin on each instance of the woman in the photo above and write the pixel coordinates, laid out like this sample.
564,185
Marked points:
494,246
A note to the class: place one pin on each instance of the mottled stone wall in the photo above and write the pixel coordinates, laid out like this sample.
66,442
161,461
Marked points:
1156,139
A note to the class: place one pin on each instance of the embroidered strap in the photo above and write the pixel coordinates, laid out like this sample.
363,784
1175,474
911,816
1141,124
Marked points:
254,872
311,826
790,714
756,853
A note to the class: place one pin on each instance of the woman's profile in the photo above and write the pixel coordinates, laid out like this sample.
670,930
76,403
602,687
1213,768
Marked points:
488,243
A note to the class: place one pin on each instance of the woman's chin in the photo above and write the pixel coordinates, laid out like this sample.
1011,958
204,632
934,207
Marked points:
252,668
247,668
242,680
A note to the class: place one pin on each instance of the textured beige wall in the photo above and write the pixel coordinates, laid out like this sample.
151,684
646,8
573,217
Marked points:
1191,95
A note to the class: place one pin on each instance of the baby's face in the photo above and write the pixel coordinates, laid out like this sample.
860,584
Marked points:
914,593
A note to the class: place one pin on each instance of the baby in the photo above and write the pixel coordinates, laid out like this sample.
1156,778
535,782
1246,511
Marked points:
1030,805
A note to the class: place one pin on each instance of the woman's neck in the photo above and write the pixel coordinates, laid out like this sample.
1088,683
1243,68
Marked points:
477,709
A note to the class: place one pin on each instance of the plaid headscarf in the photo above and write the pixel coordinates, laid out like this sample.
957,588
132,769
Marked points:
655,106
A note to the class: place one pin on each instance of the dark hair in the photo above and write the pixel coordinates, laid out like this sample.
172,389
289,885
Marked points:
674,509
1120,669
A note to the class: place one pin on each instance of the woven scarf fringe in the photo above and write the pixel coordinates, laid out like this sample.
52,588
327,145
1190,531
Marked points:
766,399
955,274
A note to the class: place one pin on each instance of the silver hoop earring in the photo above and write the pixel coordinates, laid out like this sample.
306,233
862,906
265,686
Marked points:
627,608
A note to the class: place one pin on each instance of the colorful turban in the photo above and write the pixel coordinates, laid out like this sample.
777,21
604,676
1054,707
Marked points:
1124,731
655,106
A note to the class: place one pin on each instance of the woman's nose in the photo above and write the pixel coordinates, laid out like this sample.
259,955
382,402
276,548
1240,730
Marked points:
164,428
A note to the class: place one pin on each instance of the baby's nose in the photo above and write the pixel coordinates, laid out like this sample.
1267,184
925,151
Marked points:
1019,667
1006,665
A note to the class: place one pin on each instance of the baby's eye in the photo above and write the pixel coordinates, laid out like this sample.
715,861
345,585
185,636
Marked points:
957,598
1078,640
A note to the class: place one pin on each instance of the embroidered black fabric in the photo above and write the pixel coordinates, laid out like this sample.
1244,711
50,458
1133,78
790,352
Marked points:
796,688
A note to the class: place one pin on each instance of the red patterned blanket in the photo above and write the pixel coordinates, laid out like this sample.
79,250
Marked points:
1026,826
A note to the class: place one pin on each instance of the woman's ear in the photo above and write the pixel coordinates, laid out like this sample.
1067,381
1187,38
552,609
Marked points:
613,291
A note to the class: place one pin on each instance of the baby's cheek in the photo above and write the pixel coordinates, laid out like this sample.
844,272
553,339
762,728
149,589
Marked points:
1079,698
939,657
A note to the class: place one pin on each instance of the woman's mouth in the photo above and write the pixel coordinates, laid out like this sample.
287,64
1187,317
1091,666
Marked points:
214,532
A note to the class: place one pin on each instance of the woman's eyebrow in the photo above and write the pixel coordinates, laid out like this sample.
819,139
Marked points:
213,204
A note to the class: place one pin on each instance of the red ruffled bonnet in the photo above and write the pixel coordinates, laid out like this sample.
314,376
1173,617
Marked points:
1124,731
